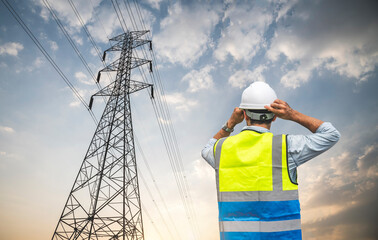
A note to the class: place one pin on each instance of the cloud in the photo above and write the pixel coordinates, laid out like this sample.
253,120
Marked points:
201,170
44,14
75,103
322,35
244,35
301,74
154,3
179,102
53,45
185,33
93,52
67,14
11,48
78,40
81,77
357,221
96,18
199,80
284,6
105,25
164,121
345,195
37,63
242,78
5,129
83,93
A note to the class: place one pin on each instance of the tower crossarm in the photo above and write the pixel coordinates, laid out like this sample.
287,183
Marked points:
114,66
117,46
111,90
136,43
111,67
136,62
136,86
140,42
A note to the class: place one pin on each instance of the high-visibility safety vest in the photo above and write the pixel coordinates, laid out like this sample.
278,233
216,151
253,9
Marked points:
256,197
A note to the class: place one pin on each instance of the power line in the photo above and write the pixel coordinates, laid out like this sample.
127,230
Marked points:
67,35
92,42
167,141
85,28
157,207
122,21
152,222
48,57
172,129
99,20
173,152
140,149
161,109
115,6
81,57
171,135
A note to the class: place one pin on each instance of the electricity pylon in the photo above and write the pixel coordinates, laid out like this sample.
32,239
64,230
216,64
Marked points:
104,202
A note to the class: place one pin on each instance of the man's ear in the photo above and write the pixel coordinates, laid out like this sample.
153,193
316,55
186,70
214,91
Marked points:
245,115
246,118
274,118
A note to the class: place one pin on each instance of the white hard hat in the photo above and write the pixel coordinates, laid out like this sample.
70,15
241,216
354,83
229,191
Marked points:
257,95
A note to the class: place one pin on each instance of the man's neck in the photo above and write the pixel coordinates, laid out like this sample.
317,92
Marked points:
267,126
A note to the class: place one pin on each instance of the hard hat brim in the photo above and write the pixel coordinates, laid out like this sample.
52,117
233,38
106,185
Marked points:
253,106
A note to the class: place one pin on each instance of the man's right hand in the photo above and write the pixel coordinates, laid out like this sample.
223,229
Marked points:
282,110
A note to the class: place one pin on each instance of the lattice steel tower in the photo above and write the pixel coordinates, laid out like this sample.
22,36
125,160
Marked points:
104,202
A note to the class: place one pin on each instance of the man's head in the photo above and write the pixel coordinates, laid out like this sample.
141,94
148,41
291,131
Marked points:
254,98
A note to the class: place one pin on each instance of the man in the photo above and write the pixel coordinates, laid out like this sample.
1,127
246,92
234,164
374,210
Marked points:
256,172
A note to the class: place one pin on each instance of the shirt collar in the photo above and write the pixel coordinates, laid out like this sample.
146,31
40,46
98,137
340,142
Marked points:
256,128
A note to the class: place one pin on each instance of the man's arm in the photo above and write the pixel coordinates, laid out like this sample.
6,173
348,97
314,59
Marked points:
282,110
207,153
236,118
302,148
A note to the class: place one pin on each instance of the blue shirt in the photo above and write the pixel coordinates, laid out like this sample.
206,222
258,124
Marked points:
300,148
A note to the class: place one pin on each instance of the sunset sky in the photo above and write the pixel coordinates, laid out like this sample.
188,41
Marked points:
320,56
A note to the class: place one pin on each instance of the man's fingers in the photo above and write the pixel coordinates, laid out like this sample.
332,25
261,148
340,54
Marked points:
279,101
268,107
277,105
238,110
237,115
273,110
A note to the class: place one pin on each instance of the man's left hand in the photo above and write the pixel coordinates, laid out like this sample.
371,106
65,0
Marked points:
236,117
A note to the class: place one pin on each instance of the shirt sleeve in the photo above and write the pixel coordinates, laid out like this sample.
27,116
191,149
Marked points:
302,148
208,152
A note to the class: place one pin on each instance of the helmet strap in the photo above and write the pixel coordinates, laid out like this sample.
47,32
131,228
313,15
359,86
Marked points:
259,116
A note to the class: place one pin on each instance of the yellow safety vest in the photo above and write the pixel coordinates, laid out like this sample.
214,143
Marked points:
256,197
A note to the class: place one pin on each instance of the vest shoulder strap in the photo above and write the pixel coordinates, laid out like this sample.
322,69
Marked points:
217,151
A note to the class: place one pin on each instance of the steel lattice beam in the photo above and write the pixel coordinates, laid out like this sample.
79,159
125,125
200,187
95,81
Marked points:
104,202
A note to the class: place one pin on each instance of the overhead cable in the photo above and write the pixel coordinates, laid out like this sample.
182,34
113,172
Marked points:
162,112
172,128
48,57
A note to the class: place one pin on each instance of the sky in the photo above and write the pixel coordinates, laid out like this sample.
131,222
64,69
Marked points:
320,56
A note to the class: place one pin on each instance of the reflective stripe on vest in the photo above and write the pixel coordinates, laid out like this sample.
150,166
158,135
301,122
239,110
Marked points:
256,198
